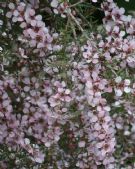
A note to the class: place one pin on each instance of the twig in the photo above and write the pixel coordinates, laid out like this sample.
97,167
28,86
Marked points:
76,4
76,21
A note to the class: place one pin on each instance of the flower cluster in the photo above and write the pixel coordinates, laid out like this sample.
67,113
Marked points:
35,33
66,98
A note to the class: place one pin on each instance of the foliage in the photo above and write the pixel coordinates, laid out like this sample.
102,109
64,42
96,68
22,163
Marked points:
67,85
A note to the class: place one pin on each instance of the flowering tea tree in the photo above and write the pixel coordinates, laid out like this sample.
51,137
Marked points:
67,85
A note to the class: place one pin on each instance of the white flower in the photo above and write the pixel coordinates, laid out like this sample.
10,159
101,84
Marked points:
67,91
9,14
27,141
47,144
118,79
56,138
127,82
1,49
122,33
23,25
1,23
126,133
133,128
107,108
11,6
127,89
81,144
118,92
94,0
54,3
38,17
39,159
117,104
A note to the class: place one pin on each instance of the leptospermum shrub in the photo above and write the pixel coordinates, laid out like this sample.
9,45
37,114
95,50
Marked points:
67,85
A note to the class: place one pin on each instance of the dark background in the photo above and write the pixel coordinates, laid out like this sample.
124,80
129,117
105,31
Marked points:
127,5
